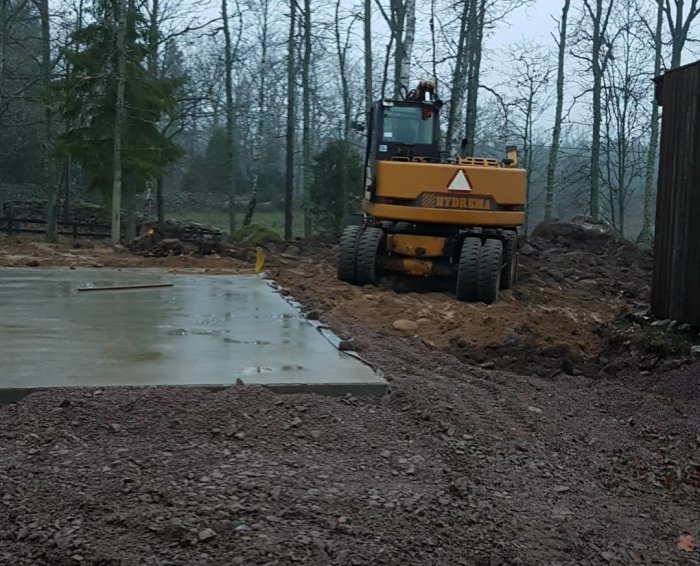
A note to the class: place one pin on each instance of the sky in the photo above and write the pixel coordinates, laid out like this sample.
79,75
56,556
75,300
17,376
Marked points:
532,23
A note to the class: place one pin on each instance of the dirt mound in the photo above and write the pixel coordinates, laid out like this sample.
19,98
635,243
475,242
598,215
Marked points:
535,312
175,238
584,255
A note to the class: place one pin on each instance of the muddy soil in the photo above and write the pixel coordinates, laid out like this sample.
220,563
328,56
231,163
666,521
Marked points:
459,464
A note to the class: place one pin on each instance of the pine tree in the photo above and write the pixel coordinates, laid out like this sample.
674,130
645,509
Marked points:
87,99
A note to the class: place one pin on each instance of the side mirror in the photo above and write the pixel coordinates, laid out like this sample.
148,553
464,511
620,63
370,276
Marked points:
463,147
511,159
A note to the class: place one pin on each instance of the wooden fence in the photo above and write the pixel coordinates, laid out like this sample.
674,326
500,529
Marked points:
14,225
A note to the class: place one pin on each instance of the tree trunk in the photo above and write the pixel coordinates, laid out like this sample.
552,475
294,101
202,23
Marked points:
50,187
397,31
120,118
129,213
476,38
160,201
458,79
3,51
257,140
369,93
342,51
600,24
679,28
650,176
230,155
556,132
387,58
153,57
291,127
66,190
306,115
407,45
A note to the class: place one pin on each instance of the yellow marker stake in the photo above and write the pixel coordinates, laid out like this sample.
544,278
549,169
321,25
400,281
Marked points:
259,260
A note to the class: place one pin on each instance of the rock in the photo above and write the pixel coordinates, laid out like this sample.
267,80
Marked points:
64,403
243,528
33,263
385,454
115,427
404,325
293,251
527,250
313,315
660,323
695,351
561,488
296,422
488,365
346,345
534,410
206,535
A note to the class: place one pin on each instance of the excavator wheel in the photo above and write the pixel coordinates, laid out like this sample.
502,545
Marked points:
510,260
368,247
489,271
348,251
468,270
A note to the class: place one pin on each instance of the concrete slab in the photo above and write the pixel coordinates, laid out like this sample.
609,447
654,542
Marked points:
205,330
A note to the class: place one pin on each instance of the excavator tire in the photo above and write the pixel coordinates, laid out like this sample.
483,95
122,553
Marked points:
348,251
468,270
510,260
366,270
489,271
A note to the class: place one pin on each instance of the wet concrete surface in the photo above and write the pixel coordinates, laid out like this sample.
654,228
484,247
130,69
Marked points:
204,330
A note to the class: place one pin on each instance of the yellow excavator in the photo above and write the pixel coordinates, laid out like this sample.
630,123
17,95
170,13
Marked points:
428,214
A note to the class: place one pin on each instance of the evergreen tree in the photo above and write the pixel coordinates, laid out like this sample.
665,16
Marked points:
87,99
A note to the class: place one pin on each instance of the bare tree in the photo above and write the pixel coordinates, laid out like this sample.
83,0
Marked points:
679,25
459,74
531,74
401,20
367,20
120,116
649,178
598,11
50,186
261,108
291,124
230,119
626,88
556,131
306,114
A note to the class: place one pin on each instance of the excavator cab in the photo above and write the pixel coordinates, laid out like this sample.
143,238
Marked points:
404,130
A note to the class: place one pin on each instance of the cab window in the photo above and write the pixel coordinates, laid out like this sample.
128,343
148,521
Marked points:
406,125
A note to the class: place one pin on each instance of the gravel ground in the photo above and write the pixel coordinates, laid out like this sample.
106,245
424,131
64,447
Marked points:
455,466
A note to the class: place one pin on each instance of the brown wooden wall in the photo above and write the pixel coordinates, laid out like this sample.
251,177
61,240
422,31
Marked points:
676,282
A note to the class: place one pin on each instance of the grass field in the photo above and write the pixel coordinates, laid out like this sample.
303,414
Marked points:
219,220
